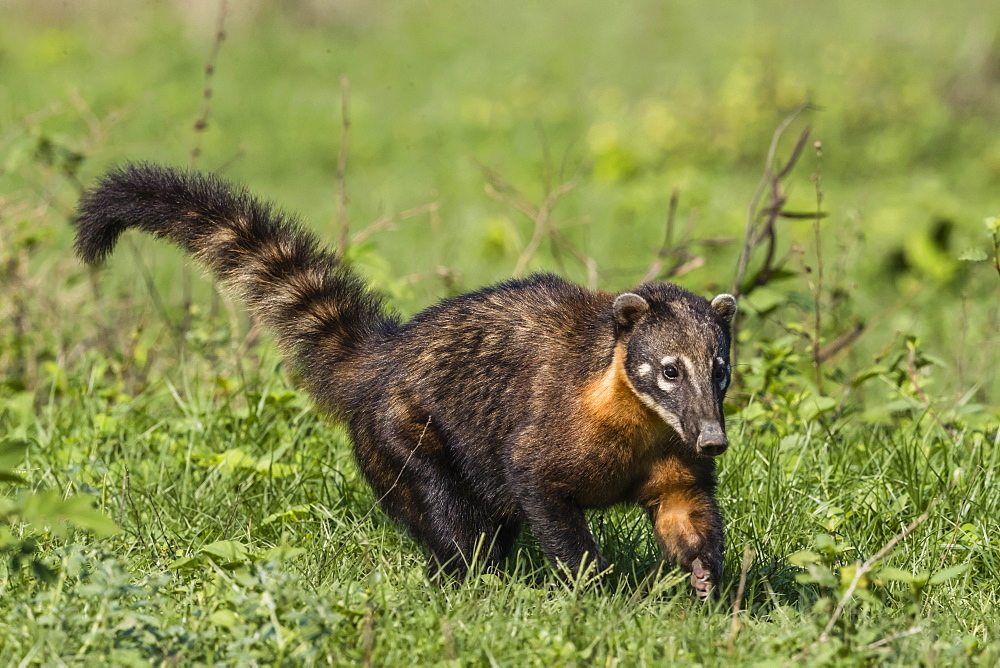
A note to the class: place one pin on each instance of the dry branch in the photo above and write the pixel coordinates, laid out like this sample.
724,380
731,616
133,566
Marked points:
869,564
734,626
541,215
755,232
375,505
843,341
387,222
665,249
201,124
341,176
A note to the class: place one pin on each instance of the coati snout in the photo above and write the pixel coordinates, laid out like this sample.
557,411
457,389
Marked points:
525,402
712,440
677,362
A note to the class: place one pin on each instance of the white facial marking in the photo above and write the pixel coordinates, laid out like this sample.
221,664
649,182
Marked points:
669,359
667,416
691,371
644,369
664,384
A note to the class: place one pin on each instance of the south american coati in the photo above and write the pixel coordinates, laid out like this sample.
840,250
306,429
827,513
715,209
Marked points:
524,402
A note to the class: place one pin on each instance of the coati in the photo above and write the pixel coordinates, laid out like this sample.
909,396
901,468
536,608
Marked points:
522,403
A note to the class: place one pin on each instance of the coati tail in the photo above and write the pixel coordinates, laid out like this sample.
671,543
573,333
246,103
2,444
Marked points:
319,310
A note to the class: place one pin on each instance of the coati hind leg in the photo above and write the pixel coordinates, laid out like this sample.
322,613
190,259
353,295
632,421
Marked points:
558,524
560,528
408,468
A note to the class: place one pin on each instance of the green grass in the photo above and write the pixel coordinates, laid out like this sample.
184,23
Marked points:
246,533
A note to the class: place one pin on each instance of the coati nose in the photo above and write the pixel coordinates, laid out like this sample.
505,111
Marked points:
712,440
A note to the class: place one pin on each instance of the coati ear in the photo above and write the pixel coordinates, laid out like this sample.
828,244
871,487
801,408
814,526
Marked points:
628,308
725,306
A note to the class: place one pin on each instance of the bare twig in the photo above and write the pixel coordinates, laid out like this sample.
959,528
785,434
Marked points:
734,626
345,133
200,125
236,505
393,486
843,341
97,128
761,220
684,267
561,243
206,107
224,166
387,222
543,141
773,211
765,180
817,288
802,215
592,273
176,329
757,231
368,635
867,566
124,493
668,239
449,277
541,215
137,517
895,636
542,220
794,157
161,525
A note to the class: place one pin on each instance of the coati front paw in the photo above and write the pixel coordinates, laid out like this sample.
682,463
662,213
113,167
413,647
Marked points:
701,580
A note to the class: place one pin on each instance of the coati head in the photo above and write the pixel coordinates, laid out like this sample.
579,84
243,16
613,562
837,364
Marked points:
677,359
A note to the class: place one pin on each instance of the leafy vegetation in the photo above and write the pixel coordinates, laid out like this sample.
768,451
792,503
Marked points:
168,496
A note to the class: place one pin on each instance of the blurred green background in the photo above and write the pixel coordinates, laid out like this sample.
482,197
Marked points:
628,100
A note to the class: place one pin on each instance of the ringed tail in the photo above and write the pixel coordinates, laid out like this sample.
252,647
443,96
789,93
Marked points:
320,311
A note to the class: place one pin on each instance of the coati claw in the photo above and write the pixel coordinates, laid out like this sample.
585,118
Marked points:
701,580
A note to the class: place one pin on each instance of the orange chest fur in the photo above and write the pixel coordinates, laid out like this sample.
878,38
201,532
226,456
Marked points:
611,410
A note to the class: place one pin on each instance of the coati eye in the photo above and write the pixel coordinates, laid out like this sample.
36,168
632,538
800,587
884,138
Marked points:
719,374
671,372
